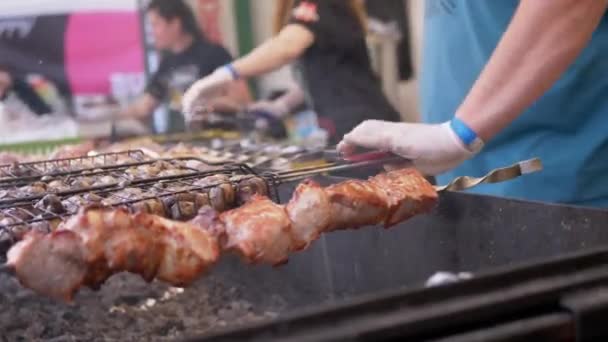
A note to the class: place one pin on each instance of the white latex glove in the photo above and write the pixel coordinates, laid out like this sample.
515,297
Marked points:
275,108
203,89
433,149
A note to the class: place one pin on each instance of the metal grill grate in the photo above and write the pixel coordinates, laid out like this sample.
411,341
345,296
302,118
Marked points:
37,201
41,200
31,171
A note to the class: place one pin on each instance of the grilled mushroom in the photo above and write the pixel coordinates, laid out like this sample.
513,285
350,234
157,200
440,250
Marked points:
105,180
57,186
202,200
18,214
248,186
151,206
221,192
183,210
51,204
92,198
36,188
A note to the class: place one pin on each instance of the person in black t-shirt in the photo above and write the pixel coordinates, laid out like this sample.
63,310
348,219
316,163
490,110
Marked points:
326,41
186,56
23,91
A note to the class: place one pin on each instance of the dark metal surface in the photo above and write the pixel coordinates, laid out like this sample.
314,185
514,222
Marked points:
466,232
492,299
557,327
589,308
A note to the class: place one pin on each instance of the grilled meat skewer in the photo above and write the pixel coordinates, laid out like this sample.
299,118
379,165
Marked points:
258,229
97,243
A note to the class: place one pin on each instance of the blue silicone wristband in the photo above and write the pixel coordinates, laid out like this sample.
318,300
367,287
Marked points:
463,131
233,72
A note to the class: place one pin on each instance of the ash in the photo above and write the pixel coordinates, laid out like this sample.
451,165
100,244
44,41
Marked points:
127,309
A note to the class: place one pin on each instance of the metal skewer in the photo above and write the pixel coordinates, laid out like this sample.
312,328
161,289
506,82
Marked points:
495,176
305,172
458,184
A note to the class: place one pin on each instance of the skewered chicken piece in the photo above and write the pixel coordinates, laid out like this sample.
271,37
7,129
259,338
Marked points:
95,244
356,203
50,264
407,194
260,231
310,213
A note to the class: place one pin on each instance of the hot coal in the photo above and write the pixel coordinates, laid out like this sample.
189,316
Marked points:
127,309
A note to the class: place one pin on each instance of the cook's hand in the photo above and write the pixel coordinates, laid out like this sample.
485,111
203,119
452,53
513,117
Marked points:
275,108
205,88
433,149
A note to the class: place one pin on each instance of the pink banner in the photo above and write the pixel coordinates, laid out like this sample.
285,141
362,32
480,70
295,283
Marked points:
99,45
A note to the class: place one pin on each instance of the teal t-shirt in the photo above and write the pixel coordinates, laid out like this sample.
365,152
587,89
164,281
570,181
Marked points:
567,128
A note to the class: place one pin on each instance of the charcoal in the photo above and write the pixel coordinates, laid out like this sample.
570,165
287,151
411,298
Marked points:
127,309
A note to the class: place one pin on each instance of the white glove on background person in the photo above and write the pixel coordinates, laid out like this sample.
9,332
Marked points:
432,148
276,108
282,106
205,88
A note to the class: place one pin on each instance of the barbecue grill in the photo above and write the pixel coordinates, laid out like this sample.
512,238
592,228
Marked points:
537,269
366,284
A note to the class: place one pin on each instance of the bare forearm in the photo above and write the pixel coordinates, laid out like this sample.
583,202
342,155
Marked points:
262,60
542,41
275,52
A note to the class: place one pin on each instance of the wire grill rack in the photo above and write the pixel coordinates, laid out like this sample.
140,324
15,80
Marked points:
40,195
30,171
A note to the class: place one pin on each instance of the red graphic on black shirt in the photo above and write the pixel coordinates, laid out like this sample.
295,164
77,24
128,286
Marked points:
306,12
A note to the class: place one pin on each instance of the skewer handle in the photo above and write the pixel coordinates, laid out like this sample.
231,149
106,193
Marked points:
494,176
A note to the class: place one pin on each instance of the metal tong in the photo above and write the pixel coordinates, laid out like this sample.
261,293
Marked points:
458,184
